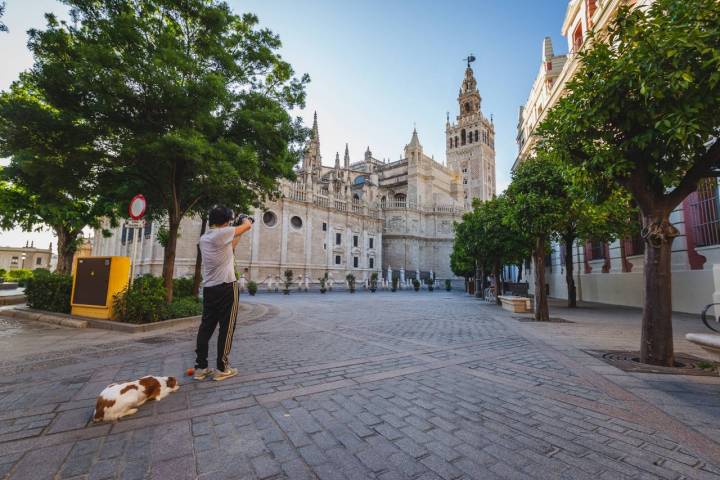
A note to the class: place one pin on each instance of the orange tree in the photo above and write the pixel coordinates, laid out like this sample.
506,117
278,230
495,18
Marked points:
641,113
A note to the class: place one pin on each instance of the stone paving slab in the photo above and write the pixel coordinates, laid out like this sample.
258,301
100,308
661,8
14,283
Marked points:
397,385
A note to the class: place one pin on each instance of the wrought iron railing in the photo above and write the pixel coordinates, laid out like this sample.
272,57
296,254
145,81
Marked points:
705,209
714,318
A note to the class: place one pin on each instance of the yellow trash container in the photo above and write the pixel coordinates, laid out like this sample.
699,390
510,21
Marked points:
96,281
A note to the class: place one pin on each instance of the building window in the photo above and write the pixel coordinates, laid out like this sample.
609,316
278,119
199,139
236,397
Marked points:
470,137
591,7
324,227
355,262
383,200
705,213
372,242
296,222
38,261
269,219
371,262
355,240
14,260
464,170
464,181
324,246
456,142
148,229
462,137
476,135
577,38
597,250
337,259
338,239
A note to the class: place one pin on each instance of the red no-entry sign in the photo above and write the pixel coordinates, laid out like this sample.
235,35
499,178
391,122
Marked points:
137,208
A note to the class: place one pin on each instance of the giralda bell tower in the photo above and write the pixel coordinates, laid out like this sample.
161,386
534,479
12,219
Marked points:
470,145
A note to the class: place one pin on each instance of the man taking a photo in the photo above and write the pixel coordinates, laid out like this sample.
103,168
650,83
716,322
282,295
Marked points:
220,291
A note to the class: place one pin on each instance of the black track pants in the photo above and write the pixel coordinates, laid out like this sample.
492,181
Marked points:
220,305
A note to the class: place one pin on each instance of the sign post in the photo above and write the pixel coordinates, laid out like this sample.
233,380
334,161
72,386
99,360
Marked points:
136,210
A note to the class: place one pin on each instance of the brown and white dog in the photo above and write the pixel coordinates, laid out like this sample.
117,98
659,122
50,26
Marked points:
121,399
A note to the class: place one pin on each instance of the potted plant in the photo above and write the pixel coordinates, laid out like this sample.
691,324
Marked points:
252,288
323,283
288,281
448,285
395,282
351,282
416,284
430,284
373,282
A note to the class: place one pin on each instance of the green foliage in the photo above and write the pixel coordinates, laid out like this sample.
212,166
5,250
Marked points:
20,275
448,285
395,282
643,104
430,282
351,282
183,287
323,283
142,302
188,102
3,27
49,291
288,281
416,284
184,307
373,281
252,287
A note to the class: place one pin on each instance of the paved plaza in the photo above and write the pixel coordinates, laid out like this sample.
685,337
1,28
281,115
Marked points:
387,385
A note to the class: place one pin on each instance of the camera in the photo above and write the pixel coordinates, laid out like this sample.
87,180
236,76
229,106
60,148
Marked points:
239,220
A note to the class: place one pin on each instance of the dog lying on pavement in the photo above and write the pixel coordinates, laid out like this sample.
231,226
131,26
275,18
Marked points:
122,399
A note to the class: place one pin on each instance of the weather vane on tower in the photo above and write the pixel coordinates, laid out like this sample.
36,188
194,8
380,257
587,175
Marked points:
470,58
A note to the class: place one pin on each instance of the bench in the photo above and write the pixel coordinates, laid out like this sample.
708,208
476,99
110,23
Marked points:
516,304
710,342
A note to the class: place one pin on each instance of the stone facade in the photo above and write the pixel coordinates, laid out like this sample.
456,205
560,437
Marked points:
27,257
353,217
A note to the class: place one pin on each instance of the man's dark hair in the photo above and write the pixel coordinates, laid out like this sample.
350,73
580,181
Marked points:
220,215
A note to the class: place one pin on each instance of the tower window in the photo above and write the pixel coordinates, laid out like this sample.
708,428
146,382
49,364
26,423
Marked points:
476,135
324,227
355,262
371,262
371,242
456,142
462,137
337,259
338,239
355,240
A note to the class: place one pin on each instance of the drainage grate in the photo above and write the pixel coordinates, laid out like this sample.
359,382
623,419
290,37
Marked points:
684,364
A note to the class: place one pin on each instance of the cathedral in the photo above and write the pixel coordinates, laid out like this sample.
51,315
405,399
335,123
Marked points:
361,217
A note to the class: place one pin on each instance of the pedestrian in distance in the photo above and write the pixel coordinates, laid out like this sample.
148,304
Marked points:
220,290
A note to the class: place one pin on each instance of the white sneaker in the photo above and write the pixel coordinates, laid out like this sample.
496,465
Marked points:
203,373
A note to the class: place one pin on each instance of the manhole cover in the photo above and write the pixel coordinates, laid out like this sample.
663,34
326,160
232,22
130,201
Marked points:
684,364
552,320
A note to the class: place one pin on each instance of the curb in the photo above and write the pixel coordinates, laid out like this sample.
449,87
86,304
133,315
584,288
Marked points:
12,300
84,322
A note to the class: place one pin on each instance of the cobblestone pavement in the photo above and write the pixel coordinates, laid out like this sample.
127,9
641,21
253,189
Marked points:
386,385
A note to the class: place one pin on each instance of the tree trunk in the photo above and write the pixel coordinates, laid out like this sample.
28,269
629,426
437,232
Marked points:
656,345
198,260
478,282
169,257
498,292
67,246
542,313
569,273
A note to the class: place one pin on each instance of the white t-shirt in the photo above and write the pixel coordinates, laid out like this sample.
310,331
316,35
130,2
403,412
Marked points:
218,260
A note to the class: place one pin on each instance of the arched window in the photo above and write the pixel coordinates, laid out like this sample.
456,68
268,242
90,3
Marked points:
476,135
400,199
470,137
383,200
462,137
356,197
456,141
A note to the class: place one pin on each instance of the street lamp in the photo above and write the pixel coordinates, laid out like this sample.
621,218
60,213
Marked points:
23,257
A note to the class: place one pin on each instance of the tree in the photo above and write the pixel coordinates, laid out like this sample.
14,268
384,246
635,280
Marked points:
488,239
641,113
537,201
3,27
191,101
51,179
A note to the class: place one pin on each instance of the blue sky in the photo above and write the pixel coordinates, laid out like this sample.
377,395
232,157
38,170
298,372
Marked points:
378,67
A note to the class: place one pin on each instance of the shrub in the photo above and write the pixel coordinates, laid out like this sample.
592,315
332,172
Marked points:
373,281
50,292
2,274
351,282
184,307
252,287
288,281
21,276
448,285
323,283
430,284
395,282
143,302
183,287
416,284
